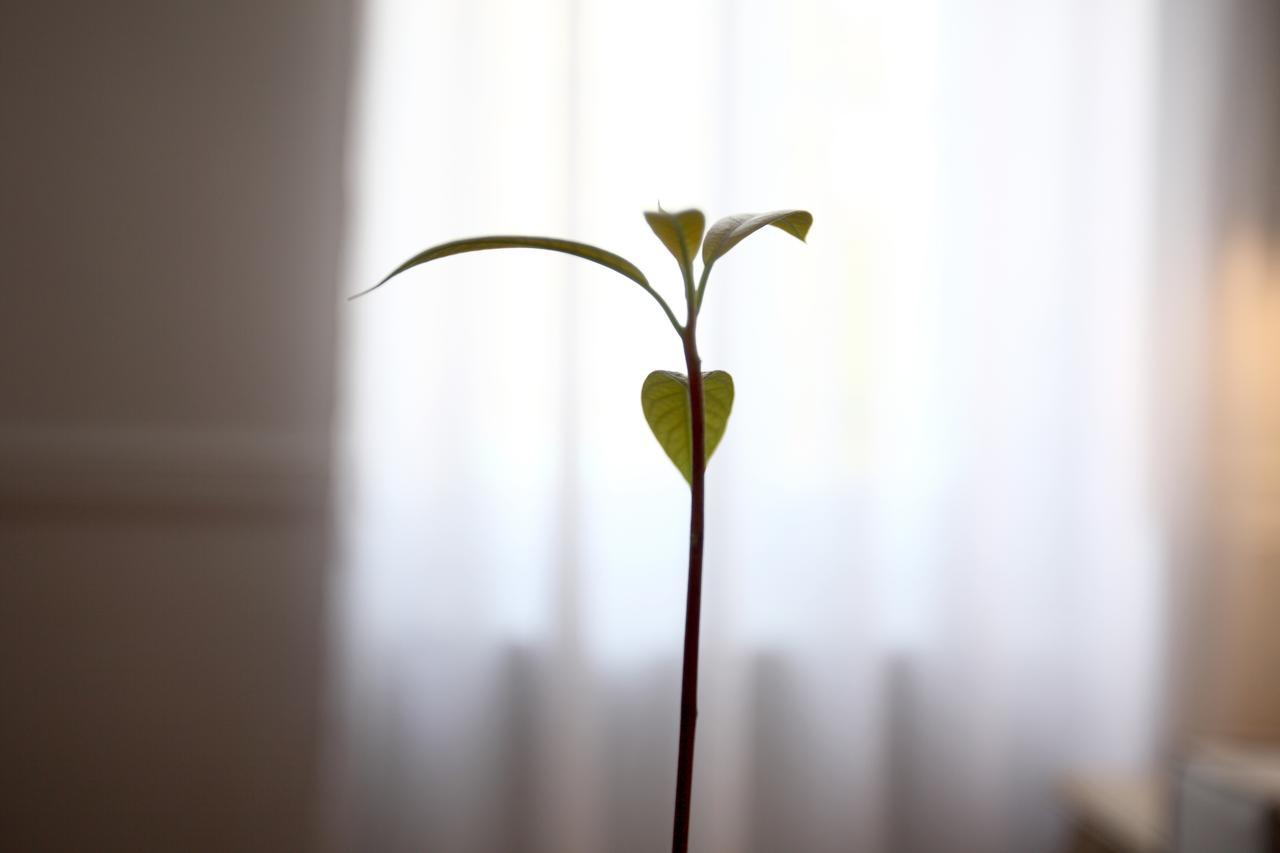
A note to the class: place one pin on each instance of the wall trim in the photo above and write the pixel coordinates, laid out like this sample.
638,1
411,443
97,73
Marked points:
88,469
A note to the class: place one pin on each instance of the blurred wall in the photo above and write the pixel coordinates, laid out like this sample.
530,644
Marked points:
1219,355
1243,691
170,220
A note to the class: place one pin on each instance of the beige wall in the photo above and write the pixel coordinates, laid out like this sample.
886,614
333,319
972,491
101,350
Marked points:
170,199
1242,691
1218,317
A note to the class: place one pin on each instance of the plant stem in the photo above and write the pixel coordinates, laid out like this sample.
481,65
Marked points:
693,603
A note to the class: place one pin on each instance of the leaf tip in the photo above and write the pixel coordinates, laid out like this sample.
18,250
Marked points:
353,297
800,221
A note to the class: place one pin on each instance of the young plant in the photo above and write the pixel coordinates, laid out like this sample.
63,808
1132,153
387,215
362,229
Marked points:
687,413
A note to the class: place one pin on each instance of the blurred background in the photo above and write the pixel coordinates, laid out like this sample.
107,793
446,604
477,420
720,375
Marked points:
994,532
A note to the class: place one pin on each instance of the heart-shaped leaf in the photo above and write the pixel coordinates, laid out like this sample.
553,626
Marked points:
568,247
732,230
665,399
680,232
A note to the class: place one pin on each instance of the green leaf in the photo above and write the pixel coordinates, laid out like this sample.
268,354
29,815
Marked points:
479,244
732,230
665,400
680,232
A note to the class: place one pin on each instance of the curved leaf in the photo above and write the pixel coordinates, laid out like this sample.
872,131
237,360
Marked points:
478,244
732,230
665,400
680,232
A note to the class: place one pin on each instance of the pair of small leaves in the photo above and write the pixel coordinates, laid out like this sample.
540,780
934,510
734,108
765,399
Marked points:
665,399
682,232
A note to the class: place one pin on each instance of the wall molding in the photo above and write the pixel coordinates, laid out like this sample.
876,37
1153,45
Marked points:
91,469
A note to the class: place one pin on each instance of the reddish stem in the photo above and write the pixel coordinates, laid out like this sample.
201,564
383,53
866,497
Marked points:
693,603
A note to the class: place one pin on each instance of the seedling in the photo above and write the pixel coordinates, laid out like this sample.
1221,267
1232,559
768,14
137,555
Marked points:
687,413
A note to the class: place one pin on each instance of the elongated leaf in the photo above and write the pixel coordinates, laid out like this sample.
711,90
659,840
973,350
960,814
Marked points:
665,400
680,232
732,230
479,244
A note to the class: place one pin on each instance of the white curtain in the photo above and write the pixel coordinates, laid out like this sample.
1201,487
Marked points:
934,562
